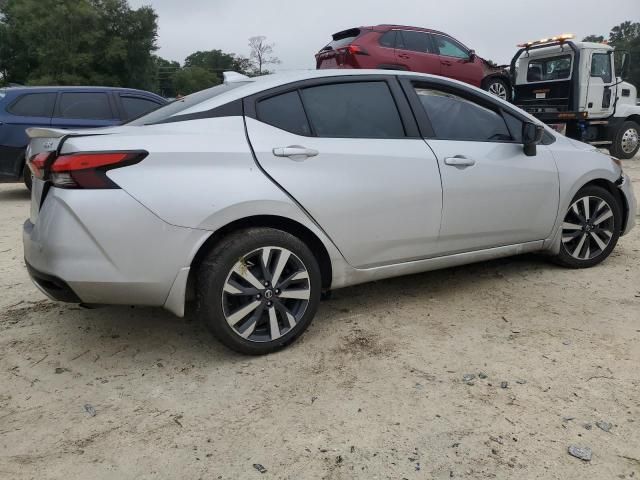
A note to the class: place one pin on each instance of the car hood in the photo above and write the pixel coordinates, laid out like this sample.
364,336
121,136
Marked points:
585,147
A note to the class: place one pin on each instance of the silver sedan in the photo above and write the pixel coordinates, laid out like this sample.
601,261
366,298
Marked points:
255,197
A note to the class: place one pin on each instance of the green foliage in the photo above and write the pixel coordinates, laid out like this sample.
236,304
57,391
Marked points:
70,42
593,38
192,79
625,37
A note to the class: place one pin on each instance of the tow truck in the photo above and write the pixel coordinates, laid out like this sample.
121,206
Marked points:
572,86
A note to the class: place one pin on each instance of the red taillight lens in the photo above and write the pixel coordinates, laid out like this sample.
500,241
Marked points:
88,170
354,50
37,163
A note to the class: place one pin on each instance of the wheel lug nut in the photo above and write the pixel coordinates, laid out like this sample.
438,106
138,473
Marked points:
258,296
269,304
266,284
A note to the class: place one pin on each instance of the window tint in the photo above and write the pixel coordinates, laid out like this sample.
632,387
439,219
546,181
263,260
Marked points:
414,41
88,106
388,39
455,118
353,110
601,66
546,69
136,106
34,105
285,112
448,47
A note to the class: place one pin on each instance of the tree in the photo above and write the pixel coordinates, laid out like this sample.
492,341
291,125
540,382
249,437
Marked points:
593,38
625,37
77,42
217,61
164,77
192,79
261,54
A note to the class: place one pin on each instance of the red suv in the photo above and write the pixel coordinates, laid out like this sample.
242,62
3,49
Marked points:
396,47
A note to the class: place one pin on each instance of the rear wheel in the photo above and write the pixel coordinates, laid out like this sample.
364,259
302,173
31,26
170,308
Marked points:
499,88
258,290
626,141
590,229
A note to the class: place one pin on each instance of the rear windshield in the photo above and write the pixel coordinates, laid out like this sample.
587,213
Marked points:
546,69
342,39
179,105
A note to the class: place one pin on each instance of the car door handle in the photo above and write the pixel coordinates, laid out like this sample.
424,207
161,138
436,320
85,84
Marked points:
448,64
403,55
459,161
294,151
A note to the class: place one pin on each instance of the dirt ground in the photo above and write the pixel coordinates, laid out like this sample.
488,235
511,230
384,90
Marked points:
373,390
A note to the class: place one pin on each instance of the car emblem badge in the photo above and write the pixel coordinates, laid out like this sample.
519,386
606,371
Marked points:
48,145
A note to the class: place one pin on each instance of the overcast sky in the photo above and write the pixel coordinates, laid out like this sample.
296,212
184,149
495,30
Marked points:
299,28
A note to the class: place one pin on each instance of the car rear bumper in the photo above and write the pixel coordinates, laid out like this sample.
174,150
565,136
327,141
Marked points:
103,247
626,188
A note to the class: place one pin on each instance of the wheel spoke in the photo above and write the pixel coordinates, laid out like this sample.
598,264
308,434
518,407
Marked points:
294,277
571,226
282,262
274,329
585,206
286,313
243,271
234,288
603,217
599,241
572,236
264,262
235,317
297,294
578,249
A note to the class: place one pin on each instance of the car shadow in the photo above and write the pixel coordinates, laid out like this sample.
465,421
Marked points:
14,192
155,334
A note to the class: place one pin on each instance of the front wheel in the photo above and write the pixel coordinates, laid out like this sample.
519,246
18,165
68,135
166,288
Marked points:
626,141
258,290
590,229
499,88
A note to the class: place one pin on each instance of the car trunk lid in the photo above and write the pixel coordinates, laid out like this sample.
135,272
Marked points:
335,53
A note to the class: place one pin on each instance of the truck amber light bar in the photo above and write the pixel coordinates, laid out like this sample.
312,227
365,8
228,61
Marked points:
560,38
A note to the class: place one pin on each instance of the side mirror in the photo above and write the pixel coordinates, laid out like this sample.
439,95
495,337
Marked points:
531,136
624,70
472,55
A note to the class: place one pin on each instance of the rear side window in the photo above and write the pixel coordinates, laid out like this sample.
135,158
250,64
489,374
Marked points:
85,105
546,69
136,106
456,118
449,47
388,39
415,41
285,112
342,39
601,66
353,110
34,105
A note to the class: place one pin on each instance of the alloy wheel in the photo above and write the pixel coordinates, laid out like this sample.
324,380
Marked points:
266,294
497,89
588,228
629,140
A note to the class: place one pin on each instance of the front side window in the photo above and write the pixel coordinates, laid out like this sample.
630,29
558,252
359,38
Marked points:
388,39
601,66
546,69
414,41
284,111
448,47
34,105
353,110
456,118
85,106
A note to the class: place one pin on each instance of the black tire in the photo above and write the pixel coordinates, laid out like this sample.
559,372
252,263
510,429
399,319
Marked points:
217,269
496,85
621,147
566,257
26,176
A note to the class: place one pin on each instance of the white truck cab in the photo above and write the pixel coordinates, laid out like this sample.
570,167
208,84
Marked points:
573,87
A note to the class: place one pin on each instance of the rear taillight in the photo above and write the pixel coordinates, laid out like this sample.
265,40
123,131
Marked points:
353,50
38,162
82,170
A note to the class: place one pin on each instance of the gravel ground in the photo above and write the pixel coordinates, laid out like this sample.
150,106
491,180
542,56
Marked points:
374,389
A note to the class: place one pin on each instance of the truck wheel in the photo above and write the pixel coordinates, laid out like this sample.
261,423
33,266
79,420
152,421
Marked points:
499,88
26,176
626,141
